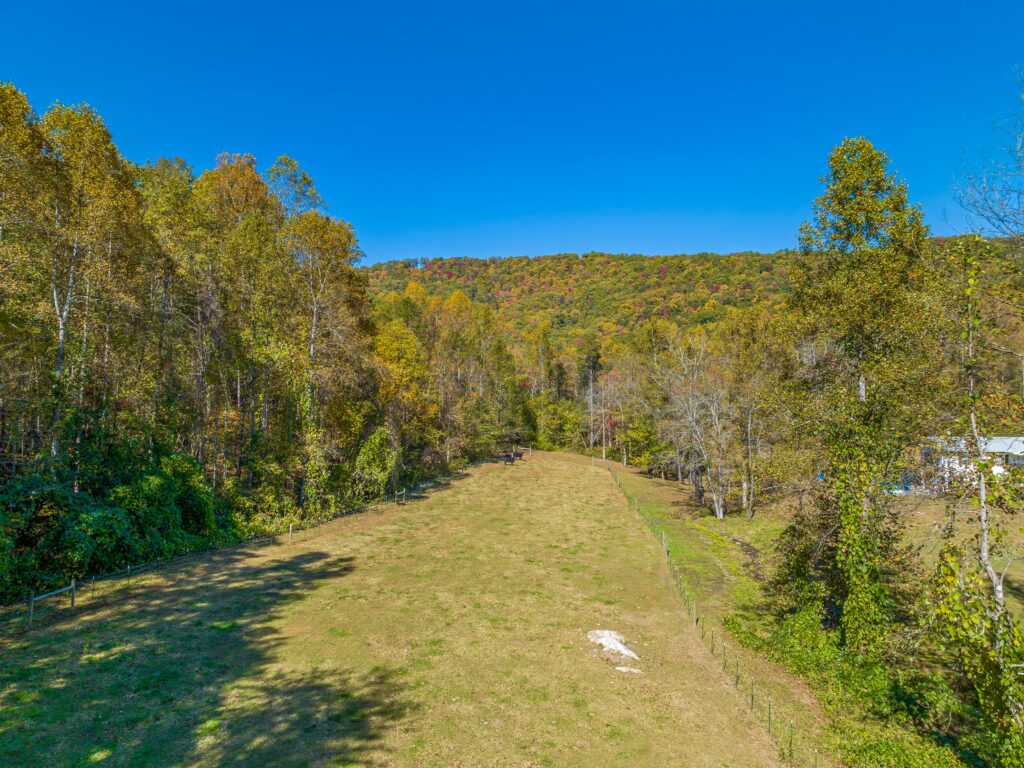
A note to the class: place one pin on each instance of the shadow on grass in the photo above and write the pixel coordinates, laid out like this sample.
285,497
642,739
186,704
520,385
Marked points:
185,674
443,483
1014,587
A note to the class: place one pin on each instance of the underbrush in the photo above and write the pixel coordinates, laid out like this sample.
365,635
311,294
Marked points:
883,715
133,503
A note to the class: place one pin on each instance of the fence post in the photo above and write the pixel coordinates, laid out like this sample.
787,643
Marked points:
289,533
31,606
72,593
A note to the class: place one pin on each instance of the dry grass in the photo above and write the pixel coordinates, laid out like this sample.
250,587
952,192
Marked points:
724,563
448,632
926,518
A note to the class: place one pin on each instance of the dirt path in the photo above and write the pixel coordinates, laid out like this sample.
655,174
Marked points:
449,632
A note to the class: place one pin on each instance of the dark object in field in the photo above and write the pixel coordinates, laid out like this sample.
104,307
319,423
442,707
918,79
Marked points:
517,455
508,458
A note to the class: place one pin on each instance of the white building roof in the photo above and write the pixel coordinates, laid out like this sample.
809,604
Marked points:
998,445
1014,445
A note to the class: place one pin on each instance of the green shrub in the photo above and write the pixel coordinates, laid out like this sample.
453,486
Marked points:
50,533
883,716
193,496
101,538
802,645
156,521
374,466
893,747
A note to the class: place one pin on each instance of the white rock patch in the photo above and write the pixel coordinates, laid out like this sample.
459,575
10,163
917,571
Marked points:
611,641
631,670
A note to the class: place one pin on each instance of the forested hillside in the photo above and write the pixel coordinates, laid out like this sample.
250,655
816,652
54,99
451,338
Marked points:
593,293
191,358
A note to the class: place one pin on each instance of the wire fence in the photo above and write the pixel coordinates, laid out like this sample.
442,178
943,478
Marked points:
35,610
795,747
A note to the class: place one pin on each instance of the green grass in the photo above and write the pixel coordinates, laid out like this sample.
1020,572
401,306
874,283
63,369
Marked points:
449,631
925,518
725,564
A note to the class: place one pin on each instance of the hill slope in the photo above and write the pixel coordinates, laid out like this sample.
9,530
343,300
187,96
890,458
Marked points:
596,292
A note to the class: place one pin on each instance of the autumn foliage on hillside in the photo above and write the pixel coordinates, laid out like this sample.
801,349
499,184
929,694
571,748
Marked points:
598,292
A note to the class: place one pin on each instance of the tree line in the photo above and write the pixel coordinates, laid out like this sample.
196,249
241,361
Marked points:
193,358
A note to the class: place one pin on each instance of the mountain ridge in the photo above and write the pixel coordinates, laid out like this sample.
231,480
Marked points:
595,292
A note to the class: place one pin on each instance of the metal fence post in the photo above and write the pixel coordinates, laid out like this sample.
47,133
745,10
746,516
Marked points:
31,606
289,533
72,593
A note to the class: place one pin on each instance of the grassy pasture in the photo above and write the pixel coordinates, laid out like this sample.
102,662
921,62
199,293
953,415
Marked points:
725,563
448,632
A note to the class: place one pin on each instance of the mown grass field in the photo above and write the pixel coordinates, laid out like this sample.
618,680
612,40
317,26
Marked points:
450,631
724,564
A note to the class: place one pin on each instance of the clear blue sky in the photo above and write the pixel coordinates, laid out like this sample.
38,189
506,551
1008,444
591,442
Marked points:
504,128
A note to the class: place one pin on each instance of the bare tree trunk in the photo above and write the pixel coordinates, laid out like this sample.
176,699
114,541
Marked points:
984,555
590,405
717,499
61,307
748,468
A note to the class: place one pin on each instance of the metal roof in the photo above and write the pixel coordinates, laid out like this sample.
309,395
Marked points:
1004,445
1014,445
